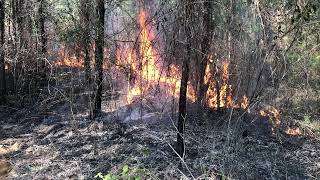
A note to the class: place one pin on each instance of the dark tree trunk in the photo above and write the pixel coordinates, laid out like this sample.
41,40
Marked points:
87,63
182,108
20,20
205,48
14,24
2,64
43,43
86,41
99,57
180,148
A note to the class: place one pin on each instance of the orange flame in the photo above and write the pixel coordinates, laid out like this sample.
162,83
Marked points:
294,131
225,97
225,91
244,103
271,112
70,61
149,75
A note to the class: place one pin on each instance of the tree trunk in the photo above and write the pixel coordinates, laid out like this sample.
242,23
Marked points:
180,148
85,23
2,64
182,108
99,57
20,20
43,43
205,48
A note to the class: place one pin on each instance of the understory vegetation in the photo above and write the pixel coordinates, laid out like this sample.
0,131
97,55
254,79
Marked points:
159,89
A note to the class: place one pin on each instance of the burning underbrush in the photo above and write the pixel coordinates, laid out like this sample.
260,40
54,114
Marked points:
57,140
143,75
148,86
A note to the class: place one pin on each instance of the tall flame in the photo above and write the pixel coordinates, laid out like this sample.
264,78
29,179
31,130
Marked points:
149,75
225,91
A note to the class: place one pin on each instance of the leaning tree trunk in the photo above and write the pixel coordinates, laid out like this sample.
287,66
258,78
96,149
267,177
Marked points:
2,64
180,148
99,58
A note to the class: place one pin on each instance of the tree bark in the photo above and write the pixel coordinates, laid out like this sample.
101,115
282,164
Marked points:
2,64
205,48
43,42
180,148
20,20
182,108
85,23
99,57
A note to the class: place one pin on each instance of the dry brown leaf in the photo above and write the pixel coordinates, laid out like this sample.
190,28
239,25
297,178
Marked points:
12,148
5,168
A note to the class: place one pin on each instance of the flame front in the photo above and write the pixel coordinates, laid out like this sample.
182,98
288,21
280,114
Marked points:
145,74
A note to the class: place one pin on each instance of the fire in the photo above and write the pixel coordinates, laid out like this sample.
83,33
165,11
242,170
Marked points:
294,131
70,61
148,73
271,112
136,91
212,96
244,103
224,87
222,97
145,75
225,91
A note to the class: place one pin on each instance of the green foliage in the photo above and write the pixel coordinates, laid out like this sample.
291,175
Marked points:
315,62
306,119
127,174
65,16
310,123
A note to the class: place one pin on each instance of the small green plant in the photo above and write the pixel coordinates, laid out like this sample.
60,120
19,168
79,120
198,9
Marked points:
125,174
306,119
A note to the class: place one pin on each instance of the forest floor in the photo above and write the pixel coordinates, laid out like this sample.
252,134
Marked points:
50,140
49,148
